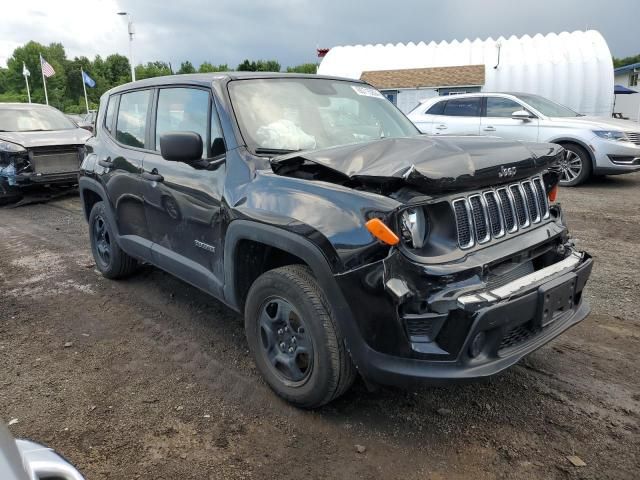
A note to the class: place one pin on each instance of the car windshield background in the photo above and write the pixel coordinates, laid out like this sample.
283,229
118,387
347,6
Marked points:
502,107
547,107
463,107
182,110
304,113
132,118
33,120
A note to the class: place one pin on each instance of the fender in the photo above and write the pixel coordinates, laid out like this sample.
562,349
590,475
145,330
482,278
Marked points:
87,183
306,250
577,141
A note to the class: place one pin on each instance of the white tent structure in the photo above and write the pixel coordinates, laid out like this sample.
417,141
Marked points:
574,69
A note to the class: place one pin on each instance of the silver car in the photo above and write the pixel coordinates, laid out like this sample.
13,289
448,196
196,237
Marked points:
594,145
26,460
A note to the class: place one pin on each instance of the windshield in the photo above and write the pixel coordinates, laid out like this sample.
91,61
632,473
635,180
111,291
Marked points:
547,107
34,119
284,114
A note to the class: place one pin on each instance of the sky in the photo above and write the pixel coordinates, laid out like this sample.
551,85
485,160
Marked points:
228,31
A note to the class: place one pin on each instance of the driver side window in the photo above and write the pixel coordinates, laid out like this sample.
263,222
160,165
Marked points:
183,110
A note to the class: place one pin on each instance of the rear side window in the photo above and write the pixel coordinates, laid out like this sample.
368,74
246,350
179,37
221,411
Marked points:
463,107
132,118
501,107
108,117
182,110
436,109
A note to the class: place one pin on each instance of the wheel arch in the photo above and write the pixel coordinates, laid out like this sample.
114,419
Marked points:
578,142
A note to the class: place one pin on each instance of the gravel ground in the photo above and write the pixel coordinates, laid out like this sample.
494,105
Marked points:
150,378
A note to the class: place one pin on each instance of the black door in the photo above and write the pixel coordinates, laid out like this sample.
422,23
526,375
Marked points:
121,157
183,201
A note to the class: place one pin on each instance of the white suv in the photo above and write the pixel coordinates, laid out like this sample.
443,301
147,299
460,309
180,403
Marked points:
594,145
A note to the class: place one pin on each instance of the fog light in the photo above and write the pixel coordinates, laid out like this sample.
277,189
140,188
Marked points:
477,344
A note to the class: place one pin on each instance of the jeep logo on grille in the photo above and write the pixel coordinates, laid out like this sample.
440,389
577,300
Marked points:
506,172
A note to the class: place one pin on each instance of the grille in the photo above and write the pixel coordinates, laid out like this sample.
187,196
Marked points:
634,137
493,211
497,212
463,223
55,160
516,336
480,220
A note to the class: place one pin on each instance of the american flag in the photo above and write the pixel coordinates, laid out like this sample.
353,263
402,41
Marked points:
47,70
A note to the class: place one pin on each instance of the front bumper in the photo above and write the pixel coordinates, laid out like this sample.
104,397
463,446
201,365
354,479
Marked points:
465,330
614,158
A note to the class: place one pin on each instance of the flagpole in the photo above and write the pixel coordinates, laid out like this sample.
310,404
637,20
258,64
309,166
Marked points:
84,87
26,80
44,82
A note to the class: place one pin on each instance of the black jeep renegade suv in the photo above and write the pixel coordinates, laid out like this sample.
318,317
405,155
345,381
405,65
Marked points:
350,242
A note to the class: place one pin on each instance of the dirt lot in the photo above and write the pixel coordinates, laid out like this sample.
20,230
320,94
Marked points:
149,378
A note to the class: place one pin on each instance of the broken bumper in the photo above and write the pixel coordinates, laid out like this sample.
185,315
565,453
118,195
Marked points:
474,334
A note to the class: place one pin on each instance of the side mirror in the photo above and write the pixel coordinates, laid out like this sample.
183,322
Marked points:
521,115
181,146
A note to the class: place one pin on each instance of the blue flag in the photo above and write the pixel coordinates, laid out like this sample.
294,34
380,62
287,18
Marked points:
89,82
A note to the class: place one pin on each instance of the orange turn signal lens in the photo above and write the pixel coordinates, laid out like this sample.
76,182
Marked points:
553,194
378,229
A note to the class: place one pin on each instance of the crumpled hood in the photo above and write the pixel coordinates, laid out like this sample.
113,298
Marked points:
75,136
431,164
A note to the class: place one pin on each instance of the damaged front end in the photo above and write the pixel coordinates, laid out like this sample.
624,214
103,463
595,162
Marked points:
496,277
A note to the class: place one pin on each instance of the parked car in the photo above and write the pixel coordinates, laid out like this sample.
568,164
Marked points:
39,146
27,460
350,242
594,145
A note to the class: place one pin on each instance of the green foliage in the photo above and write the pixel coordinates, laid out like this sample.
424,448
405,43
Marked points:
259,66
621,62
206,67
186,67
152,69
65,88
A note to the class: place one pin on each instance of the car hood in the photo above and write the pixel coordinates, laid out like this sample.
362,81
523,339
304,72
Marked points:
75,136
426,163
598,123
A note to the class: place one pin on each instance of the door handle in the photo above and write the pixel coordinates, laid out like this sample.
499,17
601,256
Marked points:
441,127
152,177
105,162
489,128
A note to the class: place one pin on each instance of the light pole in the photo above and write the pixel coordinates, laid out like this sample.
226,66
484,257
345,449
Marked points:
131,31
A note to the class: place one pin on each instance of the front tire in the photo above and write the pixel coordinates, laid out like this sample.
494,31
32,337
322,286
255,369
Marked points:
111,261
9,194
294,338
575,167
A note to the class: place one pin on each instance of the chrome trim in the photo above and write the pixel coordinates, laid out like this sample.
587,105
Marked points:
496,197
43,462
483,210
545,200
471,232
538,217
506,291
524,204
512,207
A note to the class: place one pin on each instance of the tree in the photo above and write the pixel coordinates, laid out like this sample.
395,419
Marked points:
187,67
621,62
152,69
206,67
259,66
304,68
117,69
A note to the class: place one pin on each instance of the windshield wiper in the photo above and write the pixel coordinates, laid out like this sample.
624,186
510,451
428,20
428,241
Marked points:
273,151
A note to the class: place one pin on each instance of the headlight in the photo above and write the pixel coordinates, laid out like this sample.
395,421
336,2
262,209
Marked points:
11,147
611,135
413,226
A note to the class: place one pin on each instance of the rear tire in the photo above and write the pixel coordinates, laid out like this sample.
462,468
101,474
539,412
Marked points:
111,261
576,167
294,338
